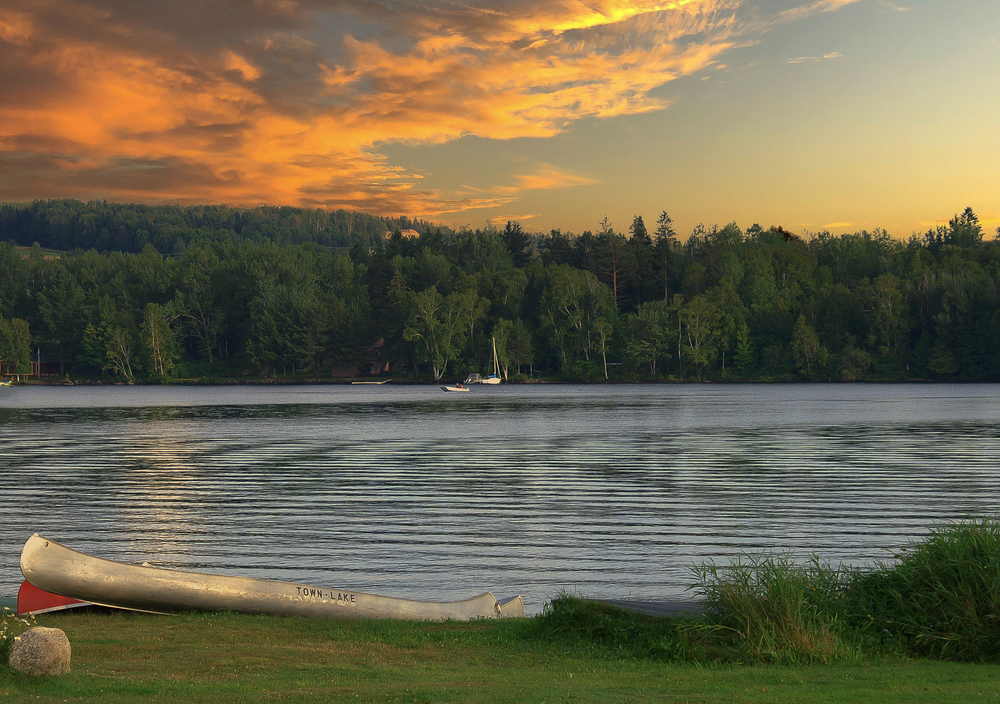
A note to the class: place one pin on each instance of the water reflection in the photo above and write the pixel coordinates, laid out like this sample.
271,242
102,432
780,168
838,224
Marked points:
603,491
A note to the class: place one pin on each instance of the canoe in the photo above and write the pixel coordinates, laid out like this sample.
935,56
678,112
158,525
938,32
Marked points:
32,600
55,568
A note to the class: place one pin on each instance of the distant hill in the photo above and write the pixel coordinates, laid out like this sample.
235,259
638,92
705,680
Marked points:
129,227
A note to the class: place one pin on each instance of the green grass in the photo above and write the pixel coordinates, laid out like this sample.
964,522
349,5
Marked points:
598,628
46,252
212,658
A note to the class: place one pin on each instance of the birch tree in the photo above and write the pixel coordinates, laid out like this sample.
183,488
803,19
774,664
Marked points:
701,318
158,341
440,324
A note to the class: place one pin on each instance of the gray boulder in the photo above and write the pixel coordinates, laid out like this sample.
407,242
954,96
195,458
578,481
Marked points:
41,651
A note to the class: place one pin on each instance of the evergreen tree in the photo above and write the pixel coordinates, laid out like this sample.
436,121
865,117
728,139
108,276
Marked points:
518,243
964,230
664,250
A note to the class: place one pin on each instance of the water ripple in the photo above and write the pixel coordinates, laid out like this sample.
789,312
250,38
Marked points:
521,490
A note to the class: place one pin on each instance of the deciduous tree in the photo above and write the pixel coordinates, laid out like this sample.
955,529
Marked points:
159,343
15,345
648,334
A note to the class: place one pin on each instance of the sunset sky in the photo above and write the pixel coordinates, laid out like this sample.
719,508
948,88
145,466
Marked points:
811,114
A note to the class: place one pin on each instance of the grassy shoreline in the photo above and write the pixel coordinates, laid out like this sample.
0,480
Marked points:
925,628
131,657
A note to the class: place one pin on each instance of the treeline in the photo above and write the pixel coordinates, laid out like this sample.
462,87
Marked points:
70,225
726,304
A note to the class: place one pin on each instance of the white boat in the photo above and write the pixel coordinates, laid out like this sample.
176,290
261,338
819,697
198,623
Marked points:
59,570
6,382
493,378
455,387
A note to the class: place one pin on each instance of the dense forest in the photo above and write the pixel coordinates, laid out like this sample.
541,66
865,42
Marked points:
70,225
153,293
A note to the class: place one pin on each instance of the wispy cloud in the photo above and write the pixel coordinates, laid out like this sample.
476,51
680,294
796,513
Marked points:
804,10
545,177
814,59
836,225
264,102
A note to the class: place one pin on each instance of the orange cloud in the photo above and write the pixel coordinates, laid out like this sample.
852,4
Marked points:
545,177
235,62
16,28
246,104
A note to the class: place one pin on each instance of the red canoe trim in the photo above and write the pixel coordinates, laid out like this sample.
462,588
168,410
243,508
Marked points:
32,600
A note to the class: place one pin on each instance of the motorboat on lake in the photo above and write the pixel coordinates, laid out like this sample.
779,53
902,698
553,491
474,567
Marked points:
64,572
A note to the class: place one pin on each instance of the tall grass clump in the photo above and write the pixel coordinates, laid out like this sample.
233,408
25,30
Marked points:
768,608
940,599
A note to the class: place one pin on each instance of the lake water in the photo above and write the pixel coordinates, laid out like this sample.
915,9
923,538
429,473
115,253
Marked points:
604,491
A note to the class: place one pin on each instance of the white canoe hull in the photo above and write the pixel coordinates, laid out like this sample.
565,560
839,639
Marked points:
60,570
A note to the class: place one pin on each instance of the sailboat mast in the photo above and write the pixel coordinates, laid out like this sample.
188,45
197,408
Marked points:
496,362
